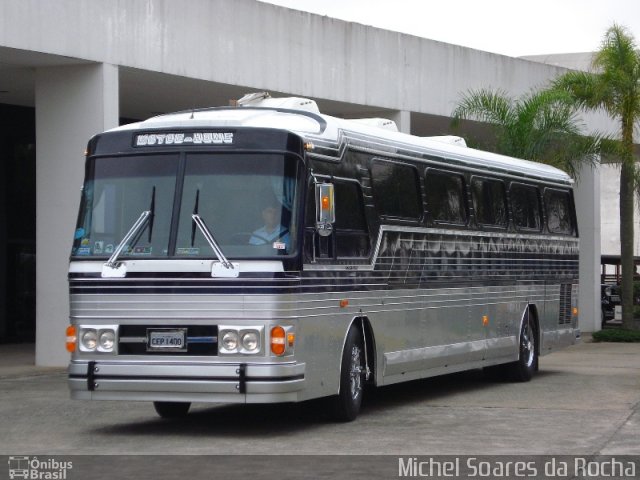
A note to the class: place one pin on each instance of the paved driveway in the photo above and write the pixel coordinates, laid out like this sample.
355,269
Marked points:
584,400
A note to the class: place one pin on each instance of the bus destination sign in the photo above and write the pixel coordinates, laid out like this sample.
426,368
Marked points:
195,138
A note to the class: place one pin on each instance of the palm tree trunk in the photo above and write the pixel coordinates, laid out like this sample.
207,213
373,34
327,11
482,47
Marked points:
627,206
626,242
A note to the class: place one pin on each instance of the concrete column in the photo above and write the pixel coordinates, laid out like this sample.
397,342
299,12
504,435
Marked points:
72,104
403,120
587,199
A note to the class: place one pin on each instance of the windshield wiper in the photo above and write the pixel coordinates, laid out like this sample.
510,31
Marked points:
230,269
152,209
112,268
195,212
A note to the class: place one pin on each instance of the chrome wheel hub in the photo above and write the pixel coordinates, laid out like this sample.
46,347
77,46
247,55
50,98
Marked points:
527,348
355,373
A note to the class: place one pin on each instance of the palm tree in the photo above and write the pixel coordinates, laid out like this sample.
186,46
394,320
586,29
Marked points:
614,86
542,126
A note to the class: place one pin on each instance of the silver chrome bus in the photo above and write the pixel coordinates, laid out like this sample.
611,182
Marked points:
268,253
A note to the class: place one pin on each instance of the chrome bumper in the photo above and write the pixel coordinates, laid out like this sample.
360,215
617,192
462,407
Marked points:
186,382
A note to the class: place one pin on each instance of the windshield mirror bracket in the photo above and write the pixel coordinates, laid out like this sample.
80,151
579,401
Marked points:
117,271
218,269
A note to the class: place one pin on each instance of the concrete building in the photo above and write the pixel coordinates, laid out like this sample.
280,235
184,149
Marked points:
72,68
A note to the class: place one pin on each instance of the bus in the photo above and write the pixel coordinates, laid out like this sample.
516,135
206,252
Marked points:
265,252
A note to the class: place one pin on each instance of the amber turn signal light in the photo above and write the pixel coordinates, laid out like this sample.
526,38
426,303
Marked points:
278,345
72,338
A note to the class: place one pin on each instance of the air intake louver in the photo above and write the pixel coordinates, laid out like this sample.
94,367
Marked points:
565,303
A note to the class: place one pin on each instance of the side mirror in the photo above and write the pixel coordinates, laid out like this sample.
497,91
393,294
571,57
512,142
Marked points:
325,209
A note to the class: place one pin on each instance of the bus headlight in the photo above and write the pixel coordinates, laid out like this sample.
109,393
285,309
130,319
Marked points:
250,341
106,340
230,341
240,340
89,340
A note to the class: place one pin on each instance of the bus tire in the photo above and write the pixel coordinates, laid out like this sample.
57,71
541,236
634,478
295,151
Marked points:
346,405
525,367
172,409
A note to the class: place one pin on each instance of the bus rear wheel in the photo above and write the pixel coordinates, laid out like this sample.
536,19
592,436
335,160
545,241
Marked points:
346,405
526,366
172,409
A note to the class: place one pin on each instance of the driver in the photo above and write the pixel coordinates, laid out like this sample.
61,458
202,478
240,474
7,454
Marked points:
272,232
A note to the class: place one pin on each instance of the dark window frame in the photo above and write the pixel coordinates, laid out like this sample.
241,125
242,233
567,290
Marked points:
571,207
376,193
505,200
331,243
464,200
541,218
342,231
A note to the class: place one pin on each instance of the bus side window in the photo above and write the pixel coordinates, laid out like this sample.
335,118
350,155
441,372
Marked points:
352,234
525,206
445,197
350,237
396,190
489,202
558,207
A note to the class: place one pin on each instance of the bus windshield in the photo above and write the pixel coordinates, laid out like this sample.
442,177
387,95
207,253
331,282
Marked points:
247,201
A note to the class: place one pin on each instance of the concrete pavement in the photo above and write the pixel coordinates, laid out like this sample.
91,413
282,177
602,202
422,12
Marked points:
584,401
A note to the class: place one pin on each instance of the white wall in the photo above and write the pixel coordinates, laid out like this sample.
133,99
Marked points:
263,46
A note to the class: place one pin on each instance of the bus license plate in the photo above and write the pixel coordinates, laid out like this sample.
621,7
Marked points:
167,340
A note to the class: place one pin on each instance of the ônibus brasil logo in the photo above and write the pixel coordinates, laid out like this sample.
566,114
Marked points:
35,469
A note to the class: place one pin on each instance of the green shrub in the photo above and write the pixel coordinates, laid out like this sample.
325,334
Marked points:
616,335
636,290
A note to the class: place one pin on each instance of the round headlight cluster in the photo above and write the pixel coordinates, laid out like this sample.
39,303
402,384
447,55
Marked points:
240,340
98,339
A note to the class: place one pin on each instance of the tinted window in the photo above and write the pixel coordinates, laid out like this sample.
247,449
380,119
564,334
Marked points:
352,236
396,190
525,207
558,206
349,206
116,192
445,197
247,202
489,202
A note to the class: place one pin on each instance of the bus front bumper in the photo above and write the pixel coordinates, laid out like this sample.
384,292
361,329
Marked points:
186,382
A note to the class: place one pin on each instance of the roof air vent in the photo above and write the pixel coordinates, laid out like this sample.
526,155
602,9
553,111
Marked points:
384,123
263,99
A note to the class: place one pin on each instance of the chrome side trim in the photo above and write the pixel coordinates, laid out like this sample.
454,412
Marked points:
433,231
425,358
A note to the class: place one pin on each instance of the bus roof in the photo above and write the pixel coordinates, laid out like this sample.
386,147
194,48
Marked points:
313,126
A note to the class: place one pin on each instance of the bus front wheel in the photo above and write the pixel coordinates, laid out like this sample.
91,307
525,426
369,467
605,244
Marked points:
346,405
